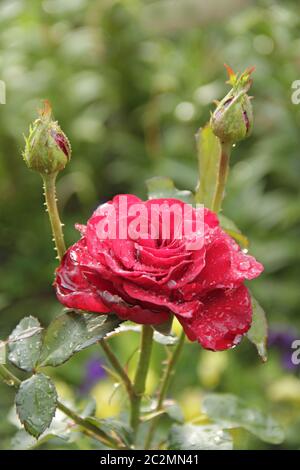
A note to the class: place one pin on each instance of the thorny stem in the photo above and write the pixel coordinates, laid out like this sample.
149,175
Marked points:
222,177
141,375
93,431
51,203
56,225
165,383
114,361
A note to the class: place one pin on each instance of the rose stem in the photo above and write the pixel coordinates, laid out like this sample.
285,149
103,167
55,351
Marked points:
51,203
165,383
141,375
216,206
114,361
222,177
90,429
10,379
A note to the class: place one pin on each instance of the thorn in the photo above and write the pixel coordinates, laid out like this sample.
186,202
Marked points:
216,102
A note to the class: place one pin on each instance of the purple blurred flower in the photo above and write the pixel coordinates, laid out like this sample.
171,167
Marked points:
281,338
94,372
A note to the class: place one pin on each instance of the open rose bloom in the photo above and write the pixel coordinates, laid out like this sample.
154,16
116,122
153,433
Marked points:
148,279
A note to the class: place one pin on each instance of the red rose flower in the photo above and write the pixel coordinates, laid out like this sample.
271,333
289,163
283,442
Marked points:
147,279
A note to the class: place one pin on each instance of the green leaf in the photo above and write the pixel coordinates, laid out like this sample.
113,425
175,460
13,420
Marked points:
173,410
25,344
231,412
209,155
258,332
166,340
112,426
207,437
229,226
72,332
36,403
163,187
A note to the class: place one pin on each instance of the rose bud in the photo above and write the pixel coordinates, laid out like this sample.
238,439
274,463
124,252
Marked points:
232,120
47,149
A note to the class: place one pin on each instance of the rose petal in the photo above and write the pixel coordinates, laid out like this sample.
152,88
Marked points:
148,279
72,289
222,320
185,309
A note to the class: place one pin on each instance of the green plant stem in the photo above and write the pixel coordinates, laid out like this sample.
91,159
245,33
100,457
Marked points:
141,375
114,361
90,429
51,203
10,379
222,177
165,383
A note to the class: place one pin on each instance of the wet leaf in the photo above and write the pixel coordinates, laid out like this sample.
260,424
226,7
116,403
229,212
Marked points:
209,154
231,412
258,332
229,226
24,344
206,437
174,411
72,332
36,403
163,187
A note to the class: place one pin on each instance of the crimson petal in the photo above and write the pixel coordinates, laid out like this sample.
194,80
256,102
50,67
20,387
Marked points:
222,320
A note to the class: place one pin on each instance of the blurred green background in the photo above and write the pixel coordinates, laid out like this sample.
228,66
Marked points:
130,82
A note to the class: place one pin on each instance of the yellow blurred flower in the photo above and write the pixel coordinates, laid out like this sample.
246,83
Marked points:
286,388
190,402
109,400
211,367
